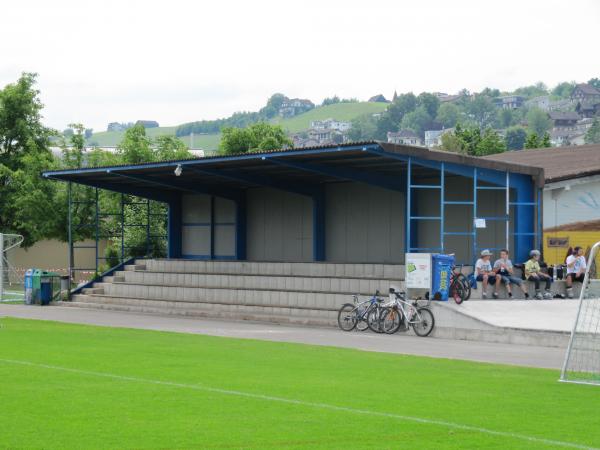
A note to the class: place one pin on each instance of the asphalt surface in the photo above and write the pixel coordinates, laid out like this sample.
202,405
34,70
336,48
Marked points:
401,343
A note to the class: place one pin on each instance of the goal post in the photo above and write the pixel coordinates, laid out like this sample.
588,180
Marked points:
582,359
10,281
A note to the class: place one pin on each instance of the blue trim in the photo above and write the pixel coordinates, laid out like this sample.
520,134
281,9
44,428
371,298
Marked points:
425,218
212,227
319,226
361,176
240,229
108,273
407,221
458,203
425,186
174,229
442,200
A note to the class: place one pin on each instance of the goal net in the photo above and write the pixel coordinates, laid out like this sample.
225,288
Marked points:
582,361
11,280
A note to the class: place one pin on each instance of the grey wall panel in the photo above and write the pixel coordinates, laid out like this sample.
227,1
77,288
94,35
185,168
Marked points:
224,210
225,240
364,224
279,226
196,241
196,208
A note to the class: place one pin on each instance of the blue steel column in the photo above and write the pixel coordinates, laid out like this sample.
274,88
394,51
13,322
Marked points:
442,208
408,206
474,247
212,227
240,228
174,228
97,226
524,229
539,228
70,237
318,200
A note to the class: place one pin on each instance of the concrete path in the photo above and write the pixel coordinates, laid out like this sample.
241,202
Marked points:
545,357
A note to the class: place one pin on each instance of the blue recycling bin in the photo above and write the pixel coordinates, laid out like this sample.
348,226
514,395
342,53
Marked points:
441,271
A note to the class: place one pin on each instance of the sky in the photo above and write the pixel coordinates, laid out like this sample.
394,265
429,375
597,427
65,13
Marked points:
180,61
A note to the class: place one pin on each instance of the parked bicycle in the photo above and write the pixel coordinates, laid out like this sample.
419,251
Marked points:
460,287
401,314
361,315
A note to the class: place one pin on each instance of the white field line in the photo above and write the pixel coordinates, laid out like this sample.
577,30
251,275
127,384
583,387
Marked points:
441,423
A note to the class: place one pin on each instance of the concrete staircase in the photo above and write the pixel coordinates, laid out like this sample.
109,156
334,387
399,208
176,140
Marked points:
301,293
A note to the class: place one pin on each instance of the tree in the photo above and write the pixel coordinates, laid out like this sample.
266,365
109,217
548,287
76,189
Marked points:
564,89
535,141
260,136
505,117
483,110
363,128
448,115
472,141
88,133
170,147
594,82
417,120
135,147
273,105
429,102
25,198
404,104
593,134
538,121
515,138
532,91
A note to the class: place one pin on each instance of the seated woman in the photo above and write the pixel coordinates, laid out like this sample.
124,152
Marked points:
534,273
576,266
485,273
504,268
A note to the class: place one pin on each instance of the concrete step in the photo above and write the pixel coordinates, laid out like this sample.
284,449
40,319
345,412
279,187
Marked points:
235,312
558,286
313,269
96,289
273,298
281,282
135,267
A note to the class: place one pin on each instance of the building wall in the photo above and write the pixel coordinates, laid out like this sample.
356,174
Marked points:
576,214
363,224
204,219
279,226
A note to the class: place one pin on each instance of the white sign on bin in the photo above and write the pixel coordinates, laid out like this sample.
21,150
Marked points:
418,270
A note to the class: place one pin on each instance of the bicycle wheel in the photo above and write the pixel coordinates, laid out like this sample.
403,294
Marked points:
391,320
347,318
466,286
457,291
374,320
425,326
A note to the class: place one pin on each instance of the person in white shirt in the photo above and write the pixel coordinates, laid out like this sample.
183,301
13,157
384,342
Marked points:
576,266
485,273
504,268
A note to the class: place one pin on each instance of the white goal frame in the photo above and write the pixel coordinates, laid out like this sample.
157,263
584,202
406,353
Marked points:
7,242
580,327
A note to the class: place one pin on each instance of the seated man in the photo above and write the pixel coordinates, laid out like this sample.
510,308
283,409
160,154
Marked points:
485,273
504,268
534,273
576,266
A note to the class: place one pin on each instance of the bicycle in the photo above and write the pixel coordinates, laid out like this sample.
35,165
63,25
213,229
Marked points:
401,313
356,314
460,288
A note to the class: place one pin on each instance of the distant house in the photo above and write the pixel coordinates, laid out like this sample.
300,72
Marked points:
588,109
562,137
303,142
326,136
294,106
585,93
331,124
379,99
563,119
404,137
148,123
542,102
510,101
560,105
433,138
444,98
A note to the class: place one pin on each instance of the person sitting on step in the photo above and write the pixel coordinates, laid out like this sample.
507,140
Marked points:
486,274
504,268
576,266
534,273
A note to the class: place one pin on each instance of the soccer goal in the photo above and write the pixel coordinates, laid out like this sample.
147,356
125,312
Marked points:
582,361
11,281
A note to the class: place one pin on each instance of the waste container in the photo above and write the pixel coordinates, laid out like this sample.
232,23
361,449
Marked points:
441,273
47,286
32,286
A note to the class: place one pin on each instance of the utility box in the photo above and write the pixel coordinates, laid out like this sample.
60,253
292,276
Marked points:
47,282
441,273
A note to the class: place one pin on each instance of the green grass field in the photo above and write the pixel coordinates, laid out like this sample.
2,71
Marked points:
75,386
340,111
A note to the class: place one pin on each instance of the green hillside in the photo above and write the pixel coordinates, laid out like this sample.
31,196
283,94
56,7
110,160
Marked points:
339,111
